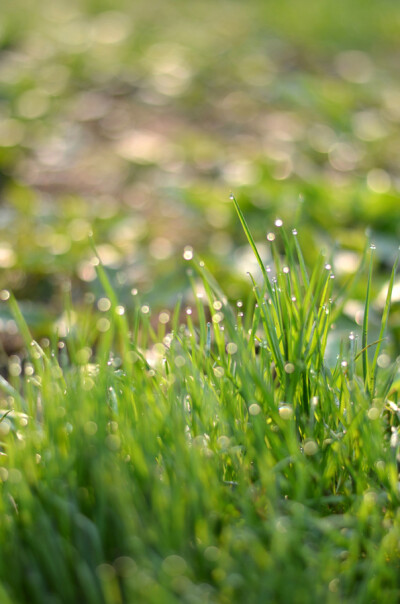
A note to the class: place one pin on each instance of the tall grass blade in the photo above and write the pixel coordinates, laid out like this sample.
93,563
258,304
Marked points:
384,321
252,243
364,341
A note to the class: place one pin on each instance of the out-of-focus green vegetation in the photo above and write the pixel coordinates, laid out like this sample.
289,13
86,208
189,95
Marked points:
136,120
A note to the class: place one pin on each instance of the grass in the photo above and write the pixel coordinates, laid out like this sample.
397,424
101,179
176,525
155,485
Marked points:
215,458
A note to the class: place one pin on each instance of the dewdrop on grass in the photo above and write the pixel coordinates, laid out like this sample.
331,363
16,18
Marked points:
188,252
285,411
180,361
219,372
104,304
231,348
373,413
310,447
254,409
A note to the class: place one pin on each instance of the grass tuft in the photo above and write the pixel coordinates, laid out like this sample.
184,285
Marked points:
222,457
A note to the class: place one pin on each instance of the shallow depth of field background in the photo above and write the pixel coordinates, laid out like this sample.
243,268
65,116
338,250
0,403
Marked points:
136,119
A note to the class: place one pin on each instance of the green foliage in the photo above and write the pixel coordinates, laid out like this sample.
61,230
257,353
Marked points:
216,458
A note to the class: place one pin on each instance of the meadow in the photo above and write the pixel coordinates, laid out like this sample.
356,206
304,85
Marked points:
199,302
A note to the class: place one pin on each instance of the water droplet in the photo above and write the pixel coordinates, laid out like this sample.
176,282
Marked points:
373,413
372,246
254,409
219,372
104,304
383,361
271,236
278,222
232,197
231,348
180,361
239,304
189,311
351,336
294,299
343,364
134,291
188,252
285,411
164,317
4,294
103,325
294,231
310,447
286,269
217,305
145,309
268,269
328,267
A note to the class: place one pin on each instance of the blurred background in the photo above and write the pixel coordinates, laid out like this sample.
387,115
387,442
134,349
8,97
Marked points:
135,119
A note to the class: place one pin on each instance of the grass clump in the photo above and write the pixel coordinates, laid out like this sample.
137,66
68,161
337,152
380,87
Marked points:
222,459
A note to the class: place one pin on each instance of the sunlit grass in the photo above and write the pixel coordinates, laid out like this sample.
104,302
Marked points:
212,456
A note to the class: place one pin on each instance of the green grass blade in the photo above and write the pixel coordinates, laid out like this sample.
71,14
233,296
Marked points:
251,242
385,317
364,341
